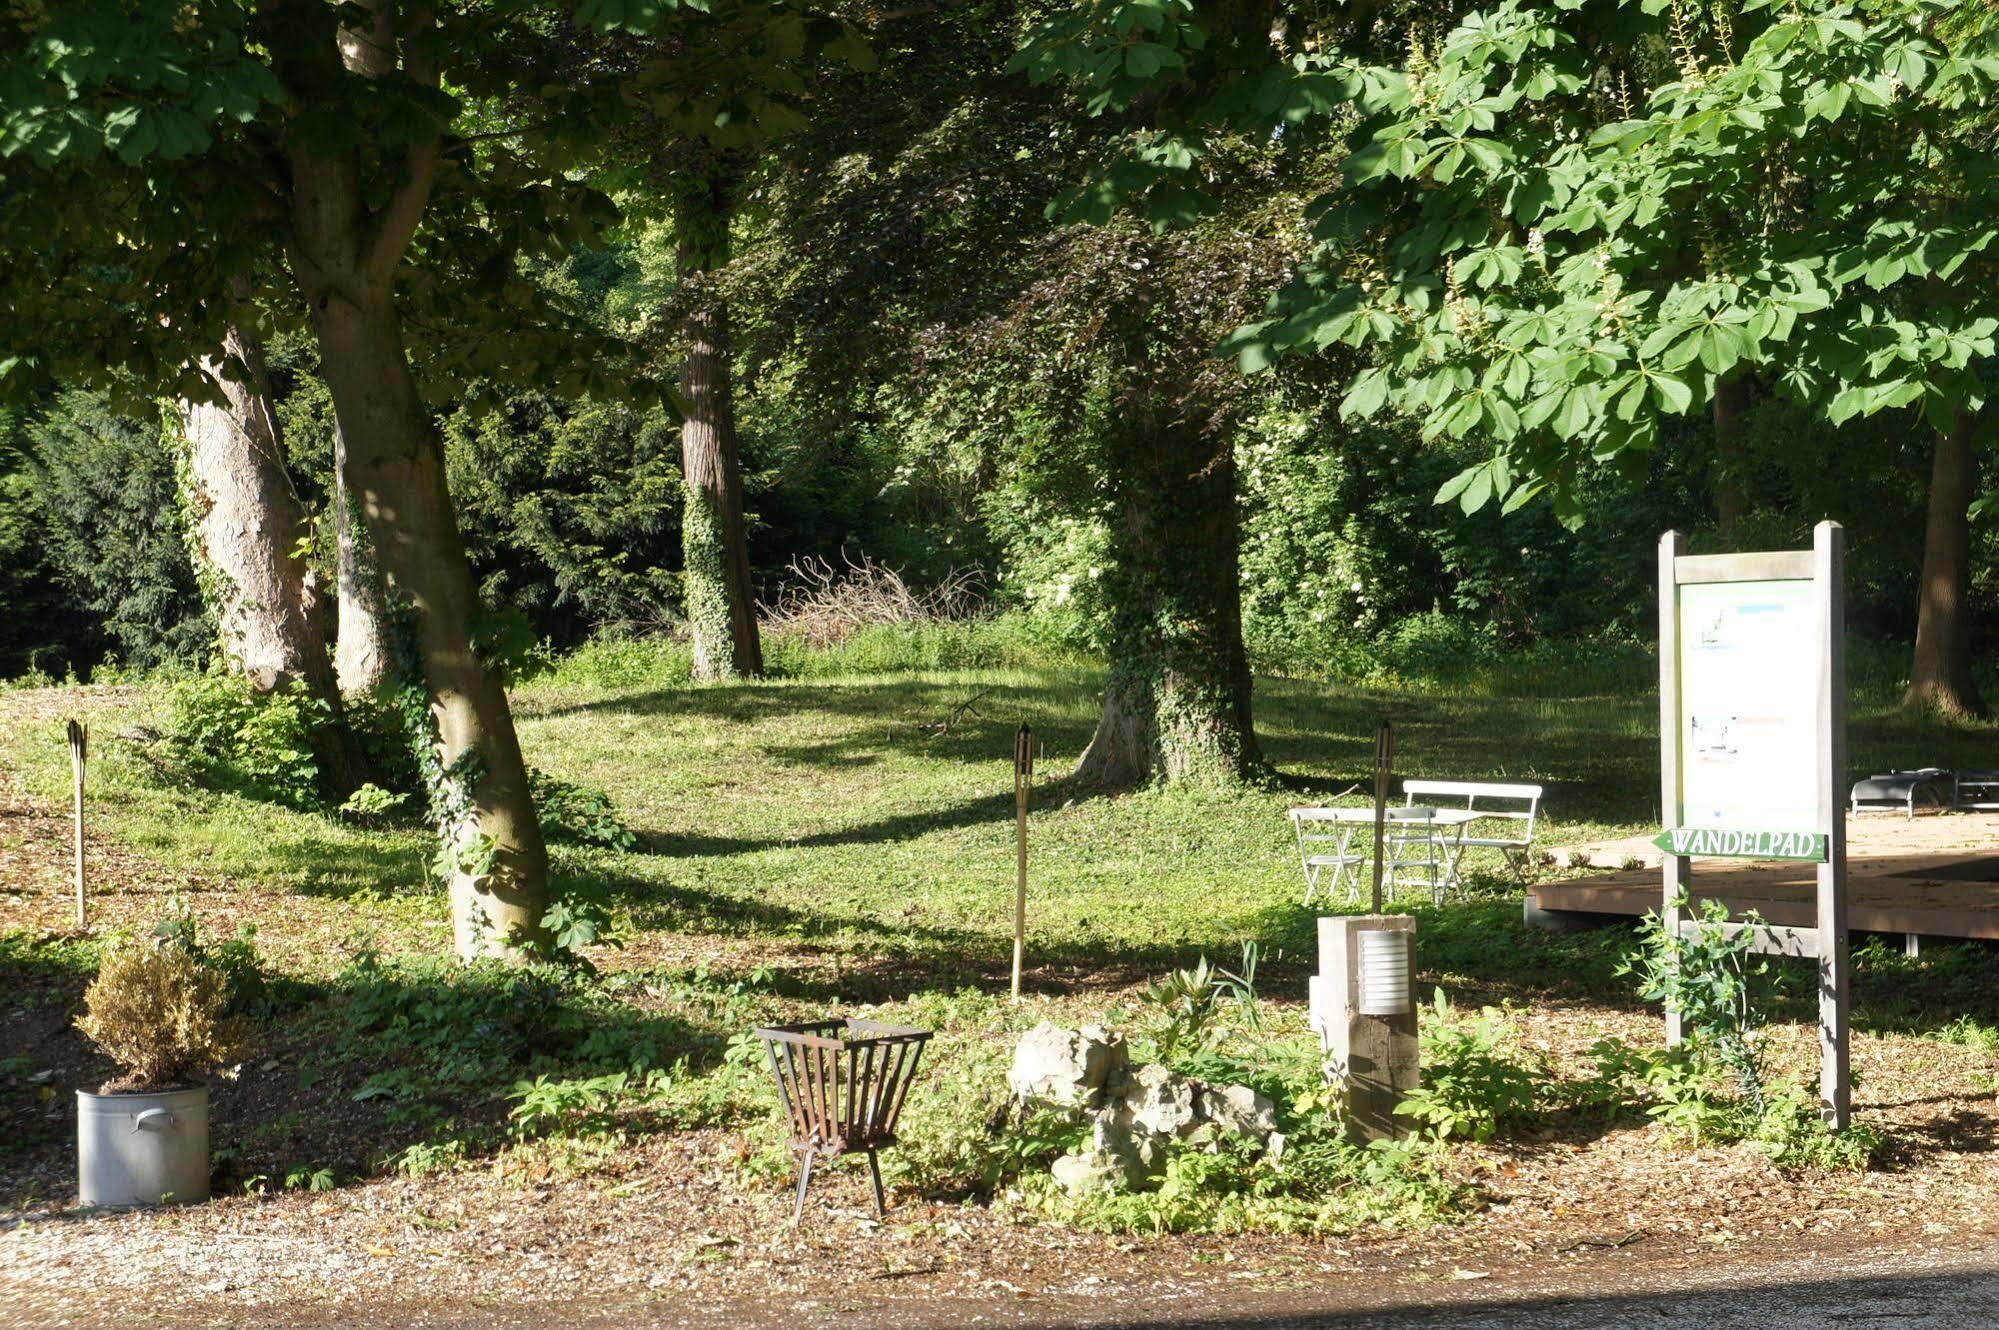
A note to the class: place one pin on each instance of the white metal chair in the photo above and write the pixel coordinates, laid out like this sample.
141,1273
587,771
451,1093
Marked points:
1325,847
1479,796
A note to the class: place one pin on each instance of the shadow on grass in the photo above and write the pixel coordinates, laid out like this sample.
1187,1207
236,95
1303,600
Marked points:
393,1064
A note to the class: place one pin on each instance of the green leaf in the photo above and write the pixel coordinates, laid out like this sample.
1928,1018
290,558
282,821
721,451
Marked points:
1455,486
1672,394
1477,491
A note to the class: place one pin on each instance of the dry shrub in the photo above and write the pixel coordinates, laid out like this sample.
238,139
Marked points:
824,604
159,1013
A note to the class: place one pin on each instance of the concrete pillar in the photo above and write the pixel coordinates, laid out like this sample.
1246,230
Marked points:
1375,1055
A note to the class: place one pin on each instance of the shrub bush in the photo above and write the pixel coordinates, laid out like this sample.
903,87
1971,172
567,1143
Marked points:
162,1016
248,742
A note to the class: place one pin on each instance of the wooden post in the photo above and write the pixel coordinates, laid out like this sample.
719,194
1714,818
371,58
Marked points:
1384,754
1674,868
1835,1077
79,748
1023,788
1376,1056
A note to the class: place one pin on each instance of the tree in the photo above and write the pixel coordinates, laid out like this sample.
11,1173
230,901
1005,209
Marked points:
247,527
159,155
364,650
1547,239
115,530
719,595
1940,678
1179,700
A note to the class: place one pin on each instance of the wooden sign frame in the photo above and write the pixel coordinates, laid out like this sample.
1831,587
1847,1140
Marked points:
1824,567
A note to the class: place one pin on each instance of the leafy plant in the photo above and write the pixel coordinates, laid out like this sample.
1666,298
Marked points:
573,922
1475,1080
1704,973
259,744
1793,1134
582,814
1186,1002
236,958
162,1015
575,1106
372,803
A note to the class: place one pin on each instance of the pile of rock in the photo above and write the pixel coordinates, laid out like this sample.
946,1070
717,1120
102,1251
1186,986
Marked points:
1134,1112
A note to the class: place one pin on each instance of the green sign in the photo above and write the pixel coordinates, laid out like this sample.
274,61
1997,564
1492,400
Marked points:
1723,843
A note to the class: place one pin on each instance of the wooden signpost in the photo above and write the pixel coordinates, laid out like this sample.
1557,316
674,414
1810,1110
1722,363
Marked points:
1384,756
79,752
1023,790
1752,746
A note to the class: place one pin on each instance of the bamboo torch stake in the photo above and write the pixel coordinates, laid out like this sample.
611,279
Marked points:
79,747
1023,787
1384,753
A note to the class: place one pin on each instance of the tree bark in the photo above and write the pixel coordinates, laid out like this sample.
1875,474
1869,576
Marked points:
396,463
248,521
1731,403
1177,706
1940,676
345,255
720,598
363,652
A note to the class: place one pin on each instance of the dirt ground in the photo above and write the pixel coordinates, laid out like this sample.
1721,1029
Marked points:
669,1232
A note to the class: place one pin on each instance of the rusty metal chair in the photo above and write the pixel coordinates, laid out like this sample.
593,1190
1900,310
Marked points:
842,1084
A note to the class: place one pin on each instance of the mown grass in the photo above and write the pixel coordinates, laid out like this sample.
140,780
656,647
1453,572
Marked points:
871,811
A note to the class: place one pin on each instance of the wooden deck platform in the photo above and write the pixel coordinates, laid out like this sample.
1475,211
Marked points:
1934,876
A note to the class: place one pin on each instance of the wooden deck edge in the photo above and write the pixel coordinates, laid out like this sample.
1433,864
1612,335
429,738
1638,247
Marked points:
1863,917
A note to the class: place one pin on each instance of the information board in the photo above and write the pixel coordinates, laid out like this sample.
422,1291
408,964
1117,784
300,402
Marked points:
1751,654
1752,751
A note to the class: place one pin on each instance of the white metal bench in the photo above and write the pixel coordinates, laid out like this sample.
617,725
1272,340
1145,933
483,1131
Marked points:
1325,846
1480,797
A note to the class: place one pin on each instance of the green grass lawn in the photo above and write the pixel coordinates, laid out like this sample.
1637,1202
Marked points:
829,810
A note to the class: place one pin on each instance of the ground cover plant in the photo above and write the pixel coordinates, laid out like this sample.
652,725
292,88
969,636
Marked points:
827,842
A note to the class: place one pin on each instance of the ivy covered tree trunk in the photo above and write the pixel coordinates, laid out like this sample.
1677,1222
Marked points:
247,527
1940,674
1731,494
345,255
720,599
363,652
1177,703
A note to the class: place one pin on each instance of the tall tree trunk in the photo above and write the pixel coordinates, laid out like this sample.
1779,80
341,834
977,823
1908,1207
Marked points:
1731,499
721,605
1177,702
345,255
396,464
248,521
363,652
1940,673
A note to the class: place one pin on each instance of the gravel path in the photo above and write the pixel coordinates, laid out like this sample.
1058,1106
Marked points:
1954,1286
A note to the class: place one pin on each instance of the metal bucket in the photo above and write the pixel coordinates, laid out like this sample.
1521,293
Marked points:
142,1149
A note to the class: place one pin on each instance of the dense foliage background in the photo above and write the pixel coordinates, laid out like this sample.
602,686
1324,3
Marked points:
922,378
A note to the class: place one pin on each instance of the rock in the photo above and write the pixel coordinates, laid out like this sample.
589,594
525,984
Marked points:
1070,1067
1082,1174
1240,1110
1160,1102
1139,1153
